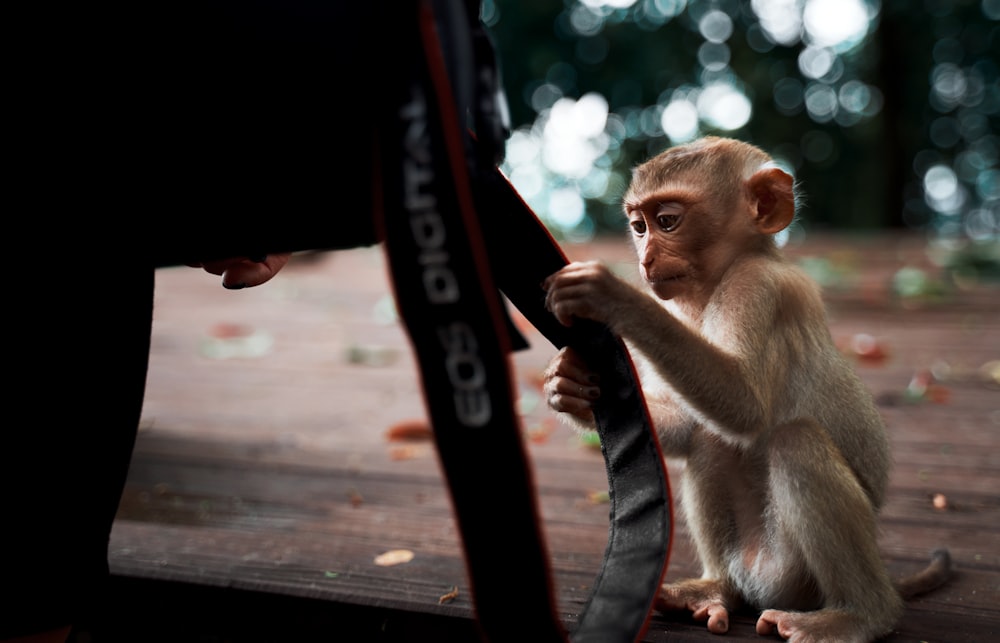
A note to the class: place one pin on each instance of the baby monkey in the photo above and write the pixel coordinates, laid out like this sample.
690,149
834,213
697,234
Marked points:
786,456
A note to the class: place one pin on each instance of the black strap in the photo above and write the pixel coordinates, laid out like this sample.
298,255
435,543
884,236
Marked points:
453,315
640,515
449,224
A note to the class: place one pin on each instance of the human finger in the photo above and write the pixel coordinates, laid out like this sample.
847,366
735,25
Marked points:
247,272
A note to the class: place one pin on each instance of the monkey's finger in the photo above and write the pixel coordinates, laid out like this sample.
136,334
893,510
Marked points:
568,271
767,623
571,405
562,389
553,280
568,301
570,364
570,388
716,615
718,619
574,274
562,312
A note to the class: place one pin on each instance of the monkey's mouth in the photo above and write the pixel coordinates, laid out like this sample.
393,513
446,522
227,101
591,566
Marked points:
670,279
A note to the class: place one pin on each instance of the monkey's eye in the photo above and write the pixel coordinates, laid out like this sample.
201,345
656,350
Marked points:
638,226
668,222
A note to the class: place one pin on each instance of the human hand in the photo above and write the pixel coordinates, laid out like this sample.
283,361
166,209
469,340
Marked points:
245,272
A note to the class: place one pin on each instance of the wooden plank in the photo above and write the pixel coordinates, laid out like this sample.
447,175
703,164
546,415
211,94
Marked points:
262,488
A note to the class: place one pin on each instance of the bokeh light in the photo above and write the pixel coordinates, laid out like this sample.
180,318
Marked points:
680,121
805,78
724,107
838,24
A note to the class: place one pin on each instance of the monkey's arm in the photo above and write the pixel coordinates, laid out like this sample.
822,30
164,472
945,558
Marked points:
571,388
726,374
673,423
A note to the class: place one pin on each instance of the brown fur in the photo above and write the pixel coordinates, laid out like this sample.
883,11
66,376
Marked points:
786,457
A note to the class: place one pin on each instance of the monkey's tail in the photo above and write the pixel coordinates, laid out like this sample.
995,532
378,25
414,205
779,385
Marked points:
931,577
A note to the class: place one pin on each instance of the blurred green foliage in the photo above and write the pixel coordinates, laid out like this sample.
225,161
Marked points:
887,113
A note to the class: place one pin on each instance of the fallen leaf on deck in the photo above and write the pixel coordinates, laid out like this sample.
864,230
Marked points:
538,436
991,371
527,401
868,350
821,269
591,439
450,596
539,432
911,283
938,394
394,557
407,452
330,574
598,497
536,379
384,312
923,387
409,430
371,354
227,341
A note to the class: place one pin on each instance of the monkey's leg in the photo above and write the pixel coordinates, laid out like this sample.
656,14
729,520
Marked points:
823,513
710,509
707,599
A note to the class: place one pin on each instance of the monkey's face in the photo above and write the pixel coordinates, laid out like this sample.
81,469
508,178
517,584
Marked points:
671,232
659,244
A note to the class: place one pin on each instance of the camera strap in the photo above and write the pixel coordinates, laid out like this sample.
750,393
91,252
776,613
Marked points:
457,235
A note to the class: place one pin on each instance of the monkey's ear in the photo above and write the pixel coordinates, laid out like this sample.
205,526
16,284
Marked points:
773,191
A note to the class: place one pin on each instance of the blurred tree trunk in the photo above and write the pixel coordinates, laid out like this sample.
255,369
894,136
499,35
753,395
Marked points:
892,81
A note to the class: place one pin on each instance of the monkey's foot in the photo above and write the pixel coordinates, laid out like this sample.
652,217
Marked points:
707,600
822,626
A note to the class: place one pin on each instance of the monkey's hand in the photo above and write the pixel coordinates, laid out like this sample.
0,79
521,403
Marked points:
588,290
571,387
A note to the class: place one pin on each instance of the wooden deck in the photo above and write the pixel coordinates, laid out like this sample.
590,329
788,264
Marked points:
264,484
